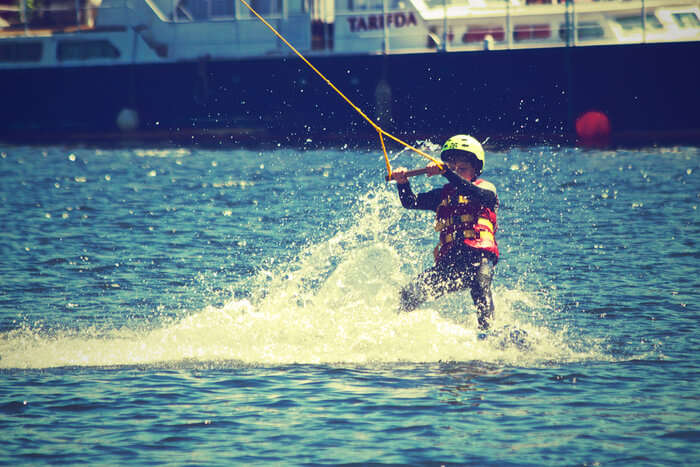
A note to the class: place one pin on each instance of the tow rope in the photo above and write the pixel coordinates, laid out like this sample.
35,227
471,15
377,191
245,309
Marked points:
380,131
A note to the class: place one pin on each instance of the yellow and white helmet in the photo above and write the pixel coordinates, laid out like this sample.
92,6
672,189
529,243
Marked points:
464,145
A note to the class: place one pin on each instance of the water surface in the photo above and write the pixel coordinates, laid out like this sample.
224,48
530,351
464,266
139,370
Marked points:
218,306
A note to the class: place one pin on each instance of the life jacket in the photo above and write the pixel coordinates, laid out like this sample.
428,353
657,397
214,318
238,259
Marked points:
460,219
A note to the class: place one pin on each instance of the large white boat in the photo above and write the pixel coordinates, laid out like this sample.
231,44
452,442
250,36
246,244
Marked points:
210,71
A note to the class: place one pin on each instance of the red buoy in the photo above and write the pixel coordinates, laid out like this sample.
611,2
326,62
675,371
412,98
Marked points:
593,128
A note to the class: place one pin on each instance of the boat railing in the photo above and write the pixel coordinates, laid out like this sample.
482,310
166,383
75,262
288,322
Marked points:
37,17
33,17
395,26
366,26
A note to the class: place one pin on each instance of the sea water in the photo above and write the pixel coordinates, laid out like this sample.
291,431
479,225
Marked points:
240,306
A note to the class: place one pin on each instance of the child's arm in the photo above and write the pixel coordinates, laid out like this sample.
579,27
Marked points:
428,201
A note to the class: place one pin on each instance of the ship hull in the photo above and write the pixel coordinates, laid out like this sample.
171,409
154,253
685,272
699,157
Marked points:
648,92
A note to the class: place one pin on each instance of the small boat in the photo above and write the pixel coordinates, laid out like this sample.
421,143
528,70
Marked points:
209,71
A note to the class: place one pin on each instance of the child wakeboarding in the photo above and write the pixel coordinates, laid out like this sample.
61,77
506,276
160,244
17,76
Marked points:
465,210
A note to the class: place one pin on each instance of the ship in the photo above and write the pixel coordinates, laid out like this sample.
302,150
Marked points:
211,72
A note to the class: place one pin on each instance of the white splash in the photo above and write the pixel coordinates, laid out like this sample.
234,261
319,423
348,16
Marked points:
336,304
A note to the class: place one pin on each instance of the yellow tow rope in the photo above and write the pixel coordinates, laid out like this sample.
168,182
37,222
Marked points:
380,131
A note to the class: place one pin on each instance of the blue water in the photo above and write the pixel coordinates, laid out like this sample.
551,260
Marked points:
191,306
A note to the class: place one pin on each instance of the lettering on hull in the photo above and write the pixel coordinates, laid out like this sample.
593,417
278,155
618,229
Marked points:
397,19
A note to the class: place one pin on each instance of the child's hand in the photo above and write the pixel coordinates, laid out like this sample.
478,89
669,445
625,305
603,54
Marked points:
399,175
434,169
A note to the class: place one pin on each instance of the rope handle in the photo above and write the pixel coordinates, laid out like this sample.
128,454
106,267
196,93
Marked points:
409,173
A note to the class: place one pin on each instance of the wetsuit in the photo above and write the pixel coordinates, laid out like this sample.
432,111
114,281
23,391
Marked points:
460,266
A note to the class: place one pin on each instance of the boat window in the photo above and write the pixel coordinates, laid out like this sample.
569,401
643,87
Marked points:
585,31
20,52
193,10
589,30
266,7
86,50
437,4
479,33
634,23
222,8
296,6
356,5
687,20
524,32
443,3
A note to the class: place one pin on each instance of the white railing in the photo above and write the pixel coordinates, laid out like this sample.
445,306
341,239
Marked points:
445,25
380,26
70,15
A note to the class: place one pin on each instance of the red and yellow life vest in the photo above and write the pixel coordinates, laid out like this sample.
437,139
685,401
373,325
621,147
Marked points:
459,219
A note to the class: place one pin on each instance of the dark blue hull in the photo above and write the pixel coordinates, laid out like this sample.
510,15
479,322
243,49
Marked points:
648,91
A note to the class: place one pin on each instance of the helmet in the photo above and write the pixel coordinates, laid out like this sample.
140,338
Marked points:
465,146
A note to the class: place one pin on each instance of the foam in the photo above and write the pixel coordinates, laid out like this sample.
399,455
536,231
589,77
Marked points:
337,303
